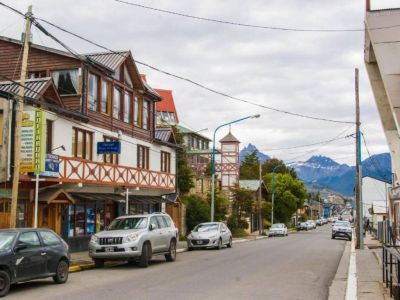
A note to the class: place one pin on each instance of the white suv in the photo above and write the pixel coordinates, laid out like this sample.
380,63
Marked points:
135,238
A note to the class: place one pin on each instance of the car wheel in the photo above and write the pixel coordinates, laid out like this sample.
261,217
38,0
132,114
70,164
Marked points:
4,283
98,263
145,256
171,256
333,237
219,247
190,248
230,244
350,239
61,272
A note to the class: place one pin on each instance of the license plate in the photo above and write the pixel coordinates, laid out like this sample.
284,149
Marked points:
199,242
109,249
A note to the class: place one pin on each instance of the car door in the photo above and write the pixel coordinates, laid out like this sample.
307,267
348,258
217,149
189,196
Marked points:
155,235
164,241
53,248
30,256
224,234
170,229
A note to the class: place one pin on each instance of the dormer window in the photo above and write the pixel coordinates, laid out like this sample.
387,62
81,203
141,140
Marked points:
66,81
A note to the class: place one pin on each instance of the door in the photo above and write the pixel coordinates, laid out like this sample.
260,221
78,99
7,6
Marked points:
164,240
224,234
30,261
155,235
53,248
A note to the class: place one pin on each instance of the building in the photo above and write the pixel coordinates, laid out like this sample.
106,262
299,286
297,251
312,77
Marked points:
381,56
373,191
99,120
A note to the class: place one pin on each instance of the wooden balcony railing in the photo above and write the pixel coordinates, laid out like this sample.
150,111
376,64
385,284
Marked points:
77,170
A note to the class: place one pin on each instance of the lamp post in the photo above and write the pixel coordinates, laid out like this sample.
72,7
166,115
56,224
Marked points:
213,161
273,191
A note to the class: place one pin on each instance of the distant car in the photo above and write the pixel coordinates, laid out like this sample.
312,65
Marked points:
342,229
135,238
335,219
27,254
302,226
312,224
209,235
278,229
329,219
324,221
319,222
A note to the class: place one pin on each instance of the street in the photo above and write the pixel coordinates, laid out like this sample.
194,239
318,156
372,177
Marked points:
300,266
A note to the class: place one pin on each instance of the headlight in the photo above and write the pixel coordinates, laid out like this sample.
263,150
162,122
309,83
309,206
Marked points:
131,238
94,239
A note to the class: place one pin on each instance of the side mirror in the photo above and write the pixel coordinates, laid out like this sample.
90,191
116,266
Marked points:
152,227
20,246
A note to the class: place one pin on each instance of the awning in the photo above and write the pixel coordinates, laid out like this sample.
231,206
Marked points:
135,199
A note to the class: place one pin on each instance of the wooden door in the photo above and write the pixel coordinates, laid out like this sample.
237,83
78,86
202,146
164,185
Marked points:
50,216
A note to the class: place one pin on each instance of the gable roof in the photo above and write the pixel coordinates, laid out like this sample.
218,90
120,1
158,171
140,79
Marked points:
167,103
229,138
110,60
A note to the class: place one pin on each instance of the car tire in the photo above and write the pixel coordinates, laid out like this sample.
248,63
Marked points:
99,263
61,272
219,247
145,256
350,239
230,244
190,248
4,283
333,237
171,256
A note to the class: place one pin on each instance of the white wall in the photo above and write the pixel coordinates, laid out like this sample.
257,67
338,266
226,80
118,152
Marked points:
373,190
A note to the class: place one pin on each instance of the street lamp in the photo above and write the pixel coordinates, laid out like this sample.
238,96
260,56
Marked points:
213,161
273,191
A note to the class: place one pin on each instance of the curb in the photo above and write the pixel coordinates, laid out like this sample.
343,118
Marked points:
338,287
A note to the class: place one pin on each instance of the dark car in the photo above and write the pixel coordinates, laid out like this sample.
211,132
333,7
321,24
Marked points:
27,254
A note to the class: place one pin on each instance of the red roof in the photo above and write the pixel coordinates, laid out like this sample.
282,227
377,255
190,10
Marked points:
167,103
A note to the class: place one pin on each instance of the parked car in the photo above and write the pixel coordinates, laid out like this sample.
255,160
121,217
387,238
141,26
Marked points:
135,238
329,219
302,226
209,235
335,219
342,229
325,221
27,254
311,224
278,229
319,222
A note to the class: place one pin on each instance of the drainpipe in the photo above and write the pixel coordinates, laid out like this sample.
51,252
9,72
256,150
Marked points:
367,5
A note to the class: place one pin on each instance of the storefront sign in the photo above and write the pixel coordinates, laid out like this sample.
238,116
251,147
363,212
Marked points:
113,147
32,141
51,166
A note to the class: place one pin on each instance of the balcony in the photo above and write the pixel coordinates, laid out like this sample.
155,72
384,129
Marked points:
77,170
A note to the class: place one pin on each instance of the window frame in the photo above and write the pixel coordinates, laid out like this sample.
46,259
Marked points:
77,83
114,158
143,157
165,165
85,151
97,91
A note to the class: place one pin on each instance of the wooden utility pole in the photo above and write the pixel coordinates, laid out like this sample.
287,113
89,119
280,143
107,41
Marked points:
359,209
18,123
260,219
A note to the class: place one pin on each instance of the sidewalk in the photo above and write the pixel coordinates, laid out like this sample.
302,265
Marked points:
81,261
369,271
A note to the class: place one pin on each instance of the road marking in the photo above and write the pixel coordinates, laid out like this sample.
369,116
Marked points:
351,289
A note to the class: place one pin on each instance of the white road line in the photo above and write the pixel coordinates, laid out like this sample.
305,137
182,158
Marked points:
351,289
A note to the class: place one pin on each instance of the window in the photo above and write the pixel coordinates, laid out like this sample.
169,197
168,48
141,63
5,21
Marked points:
167,221
30,239
49,238
105,97
146,118
127,107
37,74
1,126
142,157
82,143
127,77
153,221
110,158
117,103
161,222
165,162
93,96
49,136
138,111
5,205
66,81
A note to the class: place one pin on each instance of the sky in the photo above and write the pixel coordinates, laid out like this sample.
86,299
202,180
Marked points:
310,73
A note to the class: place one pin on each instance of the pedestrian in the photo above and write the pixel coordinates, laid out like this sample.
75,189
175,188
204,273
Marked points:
368,227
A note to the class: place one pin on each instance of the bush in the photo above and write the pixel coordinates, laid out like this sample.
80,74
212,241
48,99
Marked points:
197,211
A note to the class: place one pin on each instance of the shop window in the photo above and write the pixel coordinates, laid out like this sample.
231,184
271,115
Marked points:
127,107
142,157
165,162
105,97
82,143
90,220
93,94
117,103
138,108
66,81
71,221
1,126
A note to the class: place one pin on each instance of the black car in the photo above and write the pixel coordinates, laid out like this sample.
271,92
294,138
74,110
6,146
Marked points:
27,254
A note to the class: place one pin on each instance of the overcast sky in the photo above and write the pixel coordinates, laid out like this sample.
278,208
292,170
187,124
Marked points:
303,72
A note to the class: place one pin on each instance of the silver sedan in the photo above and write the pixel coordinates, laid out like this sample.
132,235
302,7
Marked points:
210,235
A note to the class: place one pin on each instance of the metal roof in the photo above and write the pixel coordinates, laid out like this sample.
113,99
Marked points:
252,185
163,134
184,130
33,87
110,60
229,138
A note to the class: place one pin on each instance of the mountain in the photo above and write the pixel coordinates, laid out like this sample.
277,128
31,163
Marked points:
250,148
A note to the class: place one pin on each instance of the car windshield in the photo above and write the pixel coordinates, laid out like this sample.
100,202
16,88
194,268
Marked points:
6,240
128,223
343,224
277,226
302,224
206,227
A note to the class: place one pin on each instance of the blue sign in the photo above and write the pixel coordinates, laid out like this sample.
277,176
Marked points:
51,166
113,147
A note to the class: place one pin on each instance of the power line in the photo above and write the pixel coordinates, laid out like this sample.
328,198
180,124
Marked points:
188,80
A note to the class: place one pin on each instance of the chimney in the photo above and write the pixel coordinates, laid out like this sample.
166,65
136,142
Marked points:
367,5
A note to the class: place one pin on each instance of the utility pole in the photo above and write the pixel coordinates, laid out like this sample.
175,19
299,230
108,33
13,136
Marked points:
359,209
18,123
260,220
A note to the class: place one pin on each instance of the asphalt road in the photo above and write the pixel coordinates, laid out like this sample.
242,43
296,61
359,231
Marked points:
300,266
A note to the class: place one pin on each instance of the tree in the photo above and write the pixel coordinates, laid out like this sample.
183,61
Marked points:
184,174
272,163
197,210
242,206
249,167
221,206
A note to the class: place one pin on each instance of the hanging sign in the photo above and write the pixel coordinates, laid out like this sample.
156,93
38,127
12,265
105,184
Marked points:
51,168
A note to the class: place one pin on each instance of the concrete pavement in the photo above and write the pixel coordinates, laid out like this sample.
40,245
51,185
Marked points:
300,266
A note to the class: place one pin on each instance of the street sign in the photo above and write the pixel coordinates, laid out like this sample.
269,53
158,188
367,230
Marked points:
51,166
113,147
